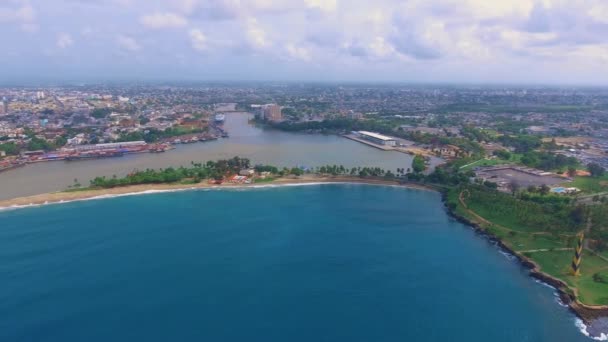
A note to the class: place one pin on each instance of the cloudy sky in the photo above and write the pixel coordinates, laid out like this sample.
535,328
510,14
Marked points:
472,41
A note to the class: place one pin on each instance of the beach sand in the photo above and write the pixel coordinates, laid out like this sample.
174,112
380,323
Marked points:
75,195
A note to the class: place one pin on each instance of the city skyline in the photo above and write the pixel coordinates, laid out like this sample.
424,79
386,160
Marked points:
444,41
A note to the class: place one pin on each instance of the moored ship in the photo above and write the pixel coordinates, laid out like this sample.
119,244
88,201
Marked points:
219,118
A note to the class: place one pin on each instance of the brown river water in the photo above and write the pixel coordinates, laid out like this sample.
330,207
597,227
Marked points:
246,140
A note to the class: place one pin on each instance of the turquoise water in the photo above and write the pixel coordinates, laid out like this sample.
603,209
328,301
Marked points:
309,263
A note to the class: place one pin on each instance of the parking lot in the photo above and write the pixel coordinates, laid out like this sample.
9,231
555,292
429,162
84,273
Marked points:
506,176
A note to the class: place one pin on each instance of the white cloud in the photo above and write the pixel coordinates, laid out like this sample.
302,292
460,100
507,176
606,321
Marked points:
186,6
64,40
453,36
297,52
25,16
323,5
381,48
160,20
198,40
256,36
127,43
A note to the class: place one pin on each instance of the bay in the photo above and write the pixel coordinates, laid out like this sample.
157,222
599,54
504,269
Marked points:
301,263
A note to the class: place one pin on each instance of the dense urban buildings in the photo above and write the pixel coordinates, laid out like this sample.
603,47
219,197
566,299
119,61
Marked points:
449,122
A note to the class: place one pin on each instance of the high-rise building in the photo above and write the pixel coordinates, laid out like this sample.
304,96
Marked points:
4,105
272,112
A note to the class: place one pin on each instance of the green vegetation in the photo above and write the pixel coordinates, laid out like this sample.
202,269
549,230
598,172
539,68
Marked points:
36,144
521,143
196,173
544,231
334,126
596,170
548,161
342,125
514,158
512,109
100,113
418,164
10,148
522,215
589,184
591,285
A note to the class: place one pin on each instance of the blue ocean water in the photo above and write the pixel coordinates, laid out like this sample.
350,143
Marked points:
309,263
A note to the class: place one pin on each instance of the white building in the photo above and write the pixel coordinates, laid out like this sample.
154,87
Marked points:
377,138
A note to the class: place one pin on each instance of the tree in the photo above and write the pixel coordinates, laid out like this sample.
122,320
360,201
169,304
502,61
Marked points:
578,214
544,189
503,154
100,113
571,171
60,141
596,170
36,144
514,187
296,171
418,164
490,185
10,148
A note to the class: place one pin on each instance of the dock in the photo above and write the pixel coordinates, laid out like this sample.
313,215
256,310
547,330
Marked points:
412,150
367,142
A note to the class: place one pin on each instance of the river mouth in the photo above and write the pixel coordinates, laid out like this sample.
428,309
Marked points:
340,262
246,140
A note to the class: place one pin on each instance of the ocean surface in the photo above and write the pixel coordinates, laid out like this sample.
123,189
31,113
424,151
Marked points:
246,140
297,263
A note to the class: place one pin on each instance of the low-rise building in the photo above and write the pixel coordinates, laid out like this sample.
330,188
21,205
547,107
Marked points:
377,138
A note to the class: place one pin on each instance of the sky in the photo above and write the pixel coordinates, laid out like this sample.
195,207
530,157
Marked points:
453,41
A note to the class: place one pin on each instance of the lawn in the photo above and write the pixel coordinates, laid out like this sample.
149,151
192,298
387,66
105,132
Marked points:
557,264
590,290
589,184
515,159
527,241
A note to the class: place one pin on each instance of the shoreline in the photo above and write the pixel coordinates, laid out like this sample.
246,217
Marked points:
87,194
587,313
568,296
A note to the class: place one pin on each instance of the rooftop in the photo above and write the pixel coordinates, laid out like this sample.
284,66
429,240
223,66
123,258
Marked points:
376,135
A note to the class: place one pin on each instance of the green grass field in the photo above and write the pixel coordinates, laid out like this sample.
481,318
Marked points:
515,159
527,241
591,290
589,185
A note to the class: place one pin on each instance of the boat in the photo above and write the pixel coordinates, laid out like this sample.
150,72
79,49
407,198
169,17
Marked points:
219,118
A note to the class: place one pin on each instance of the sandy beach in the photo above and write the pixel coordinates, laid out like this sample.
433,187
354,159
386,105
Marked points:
74,195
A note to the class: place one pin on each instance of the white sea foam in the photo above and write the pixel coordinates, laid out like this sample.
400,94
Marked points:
583,329
506,254
545,284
